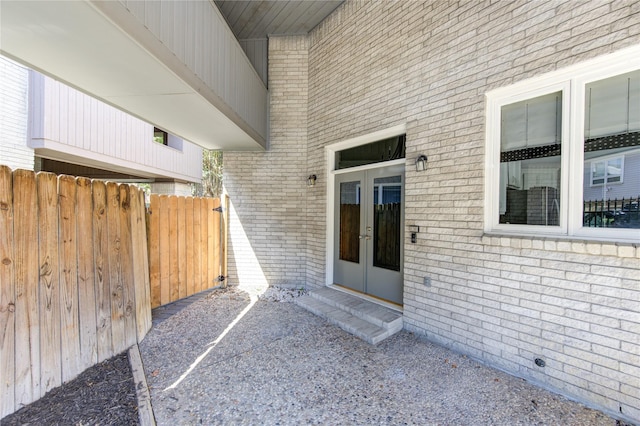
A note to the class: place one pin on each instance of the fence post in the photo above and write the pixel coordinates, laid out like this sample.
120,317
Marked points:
224,231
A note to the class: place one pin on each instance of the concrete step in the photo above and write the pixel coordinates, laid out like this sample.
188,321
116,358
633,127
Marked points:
366,320
368,311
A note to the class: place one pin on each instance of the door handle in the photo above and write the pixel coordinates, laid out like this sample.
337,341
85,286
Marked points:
366,237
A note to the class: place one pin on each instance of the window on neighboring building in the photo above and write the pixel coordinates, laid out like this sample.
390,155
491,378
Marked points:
563,152
160,136
607,171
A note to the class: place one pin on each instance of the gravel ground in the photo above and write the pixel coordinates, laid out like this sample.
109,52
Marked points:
281,365
102,395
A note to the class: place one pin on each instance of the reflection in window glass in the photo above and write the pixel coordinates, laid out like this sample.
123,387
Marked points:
530,161
387,216
375,152
350,221
611,185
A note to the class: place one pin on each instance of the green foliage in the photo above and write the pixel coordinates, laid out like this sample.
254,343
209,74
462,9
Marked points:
211,173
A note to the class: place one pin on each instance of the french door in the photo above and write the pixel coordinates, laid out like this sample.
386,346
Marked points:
369,219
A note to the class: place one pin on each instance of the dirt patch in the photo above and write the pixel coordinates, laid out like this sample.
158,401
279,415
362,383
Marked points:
104,394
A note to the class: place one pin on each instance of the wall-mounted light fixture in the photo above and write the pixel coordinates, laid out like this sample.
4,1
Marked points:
311,180
421,163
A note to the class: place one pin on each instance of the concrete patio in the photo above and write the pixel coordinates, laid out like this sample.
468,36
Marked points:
226,357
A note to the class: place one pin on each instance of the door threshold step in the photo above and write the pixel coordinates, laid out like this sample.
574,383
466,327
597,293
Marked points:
368,311
366,320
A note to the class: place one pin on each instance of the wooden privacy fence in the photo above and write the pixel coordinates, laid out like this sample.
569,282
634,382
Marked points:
74,287
187,246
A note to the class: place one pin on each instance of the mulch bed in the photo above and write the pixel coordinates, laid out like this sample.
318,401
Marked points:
104,394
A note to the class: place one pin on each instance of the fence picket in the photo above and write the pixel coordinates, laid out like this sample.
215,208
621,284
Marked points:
165,284
27,342
102,267
7,294
70,323
204,247
126,271
154,249
197,232
141,266
215,235
190,246
172,254
71,266
210,242
182,245
49,281
190,259
115,265
86,275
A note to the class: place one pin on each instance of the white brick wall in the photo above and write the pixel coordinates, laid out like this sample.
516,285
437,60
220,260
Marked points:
268,235
506,301
14,93
171,188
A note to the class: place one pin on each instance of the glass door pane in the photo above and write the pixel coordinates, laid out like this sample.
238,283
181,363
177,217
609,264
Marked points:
387,216
350,221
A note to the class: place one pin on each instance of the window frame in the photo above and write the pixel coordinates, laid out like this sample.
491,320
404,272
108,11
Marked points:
571,82
163,134
605,178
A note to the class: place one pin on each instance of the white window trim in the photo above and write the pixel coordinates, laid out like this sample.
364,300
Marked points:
571,81
331,173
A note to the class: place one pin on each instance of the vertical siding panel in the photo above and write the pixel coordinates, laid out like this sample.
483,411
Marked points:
49,282
115,265
200,34
130,142
95,125
178,33
69,319
53,110
120,134
102,267
86,274
105,144
153,17
63,108
126,270
167,17
189,30
36,99
87,122
27,345
137,9
7,294
72,117
113,132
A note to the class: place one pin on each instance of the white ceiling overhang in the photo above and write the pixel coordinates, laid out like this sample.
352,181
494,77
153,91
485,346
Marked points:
75,42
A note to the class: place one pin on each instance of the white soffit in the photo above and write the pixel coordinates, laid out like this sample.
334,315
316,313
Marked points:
74,43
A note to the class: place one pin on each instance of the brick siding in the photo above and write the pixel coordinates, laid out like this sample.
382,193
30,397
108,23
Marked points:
428,64
267,190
